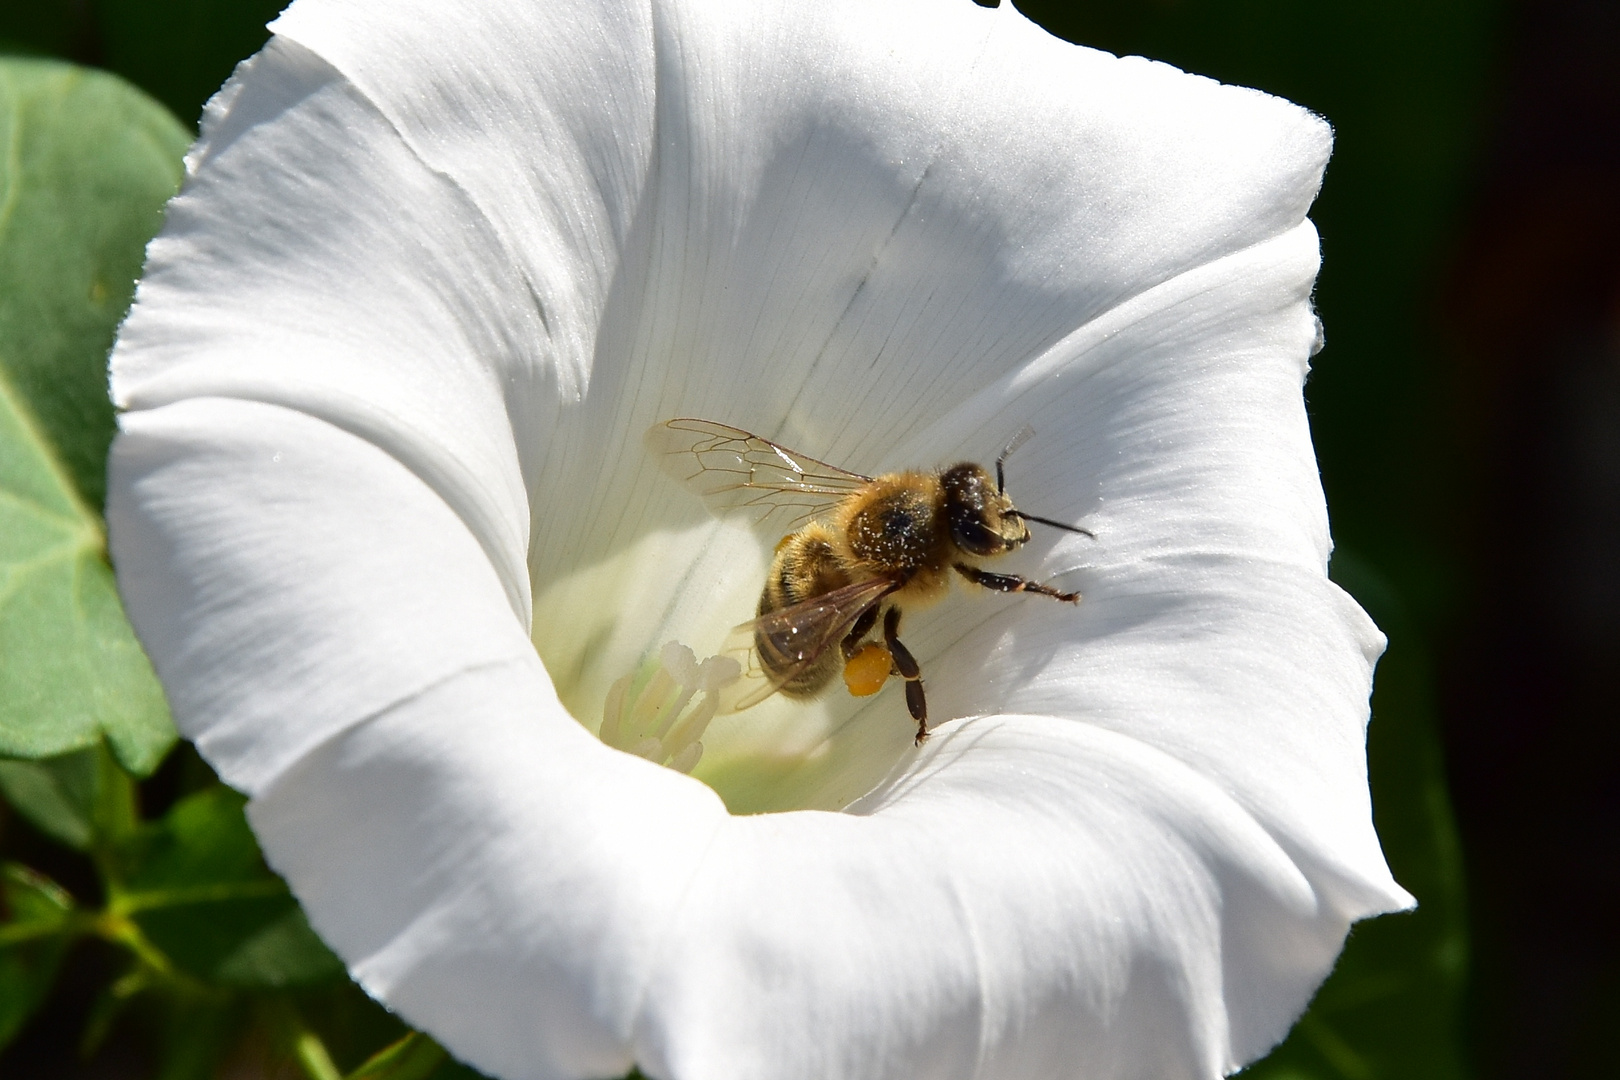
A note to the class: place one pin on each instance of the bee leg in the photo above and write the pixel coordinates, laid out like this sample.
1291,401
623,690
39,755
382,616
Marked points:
862,627
907,666
1010,583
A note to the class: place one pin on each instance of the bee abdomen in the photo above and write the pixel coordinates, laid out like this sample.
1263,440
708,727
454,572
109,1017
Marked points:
806,566
778,653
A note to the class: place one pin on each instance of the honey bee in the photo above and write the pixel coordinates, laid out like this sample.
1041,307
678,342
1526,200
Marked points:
867,548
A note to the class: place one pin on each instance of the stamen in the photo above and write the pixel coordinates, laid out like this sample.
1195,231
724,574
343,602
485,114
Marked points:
660,710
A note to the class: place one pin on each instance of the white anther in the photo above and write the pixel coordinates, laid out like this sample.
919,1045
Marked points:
660,710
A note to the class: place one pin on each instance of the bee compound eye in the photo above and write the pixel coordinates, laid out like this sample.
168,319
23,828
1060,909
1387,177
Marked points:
975,537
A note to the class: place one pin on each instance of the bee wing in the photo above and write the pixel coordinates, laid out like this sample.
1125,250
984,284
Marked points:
734,470
799,635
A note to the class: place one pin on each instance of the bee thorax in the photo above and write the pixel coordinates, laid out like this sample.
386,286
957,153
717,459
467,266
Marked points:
896,531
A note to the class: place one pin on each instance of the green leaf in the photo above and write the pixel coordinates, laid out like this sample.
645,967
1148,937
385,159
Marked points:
415,1057
28,897
201,847
86,162
285,952
34,933
109,1005
195,1035
82,799
199,890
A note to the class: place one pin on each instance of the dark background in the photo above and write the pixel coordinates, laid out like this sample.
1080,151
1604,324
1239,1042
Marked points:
1467,417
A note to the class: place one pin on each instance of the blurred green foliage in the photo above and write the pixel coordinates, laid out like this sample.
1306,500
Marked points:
169,896
215,955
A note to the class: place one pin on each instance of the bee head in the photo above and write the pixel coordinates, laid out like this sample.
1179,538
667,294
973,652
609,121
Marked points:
983,521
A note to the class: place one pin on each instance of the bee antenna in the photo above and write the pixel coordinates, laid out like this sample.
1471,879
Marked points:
1054,524
1022,437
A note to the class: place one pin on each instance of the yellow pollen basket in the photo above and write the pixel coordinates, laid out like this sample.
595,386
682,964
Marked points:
867,671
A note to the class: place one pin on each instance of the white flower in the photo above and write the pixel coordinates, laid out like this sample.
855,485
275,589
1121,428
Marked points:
383,518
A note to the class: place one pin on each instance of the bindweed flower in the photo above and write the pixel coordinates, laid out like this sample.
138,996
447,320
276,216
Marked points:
383,517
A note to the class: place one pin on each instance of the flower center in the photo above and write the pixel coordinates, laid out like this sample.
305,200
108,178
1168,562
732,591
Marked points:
661,711
621,637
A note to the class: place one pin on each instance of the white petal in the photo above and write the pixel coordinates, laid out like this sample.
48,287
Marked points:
346,281
289,579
